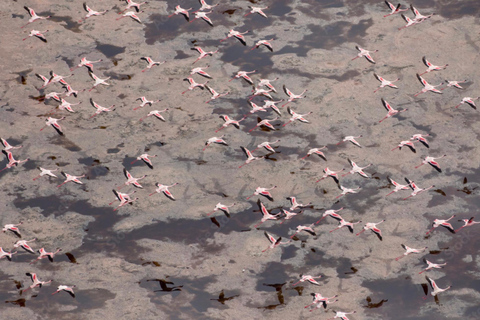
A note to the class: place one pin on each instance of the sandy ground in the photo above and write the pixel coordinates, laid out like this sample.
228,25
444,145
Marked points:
122,257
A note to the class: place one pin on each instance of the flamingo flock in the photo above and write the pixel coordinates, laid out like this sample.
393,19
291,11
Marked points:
260,91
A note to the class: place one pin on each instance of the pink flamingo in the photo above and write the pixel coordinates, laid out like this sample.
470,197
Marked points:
71,178
467,223
292,96
203,16
346,190
151,63
98,81
455,84
442,222
7,146
431,161
344,223
357,169
91,12
221,207
432,67
385,82
244,75
267,146
406,143
264,192
330,173
317,152
266,123
194,84
202,53
236,34
100,109
295,205
320,300
431,265
228,121
266,43
24,245
308,278
421,138
397,186
308,229
67,289
6,254
12,162
217,140
33,16
145,101
36,282
373,226
266,215
44,254
469,101
257,10
250,157
394,9
289,215
390,110
156,114
416,189
38,34
409,250
273,242
296,116
215,94
436,289
85,63
131,180
54,123
132,15
331,213
200,71
164,188
13,228
144,158
427,86
180,10
352,139
365,53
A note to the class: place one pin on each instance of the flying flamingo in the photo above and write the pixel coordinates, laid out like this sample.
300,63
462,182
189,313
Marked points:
307,229
352,140
320,300
194,84
65,105
418,16
317,152
44,79
144,158
467,223
203,15
12,162
38,34
431,67
427,86
244,75
344,223
70,91
394,9
266,145
271,104
145,101
431,161
373,226
122,197
340,314
86,63
57,78
346,190
266,83
131,4
200,71
436,289
151,63
357,169
7,146
71,178
91,12
296,116
264,192
261,92
391,112
266,215
250,157
236,34
397,186
164,188
131,180
257,10
53,95
266,123
407,143
364,53
98,81
6,254
431,265
13,228
215,94
266,43
331,213
416,189
409,250
228,121
217,140
421,138
36,282
255,108
308,278
410,22
67,289
202,53
54,123
44,254
455,84
45,172
221,207
180,10
100,109
33,16
385,82
24,245
442,222
469,101
289,215
274,242
156,113
330,173
295,205
132,15
292,96
206,6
